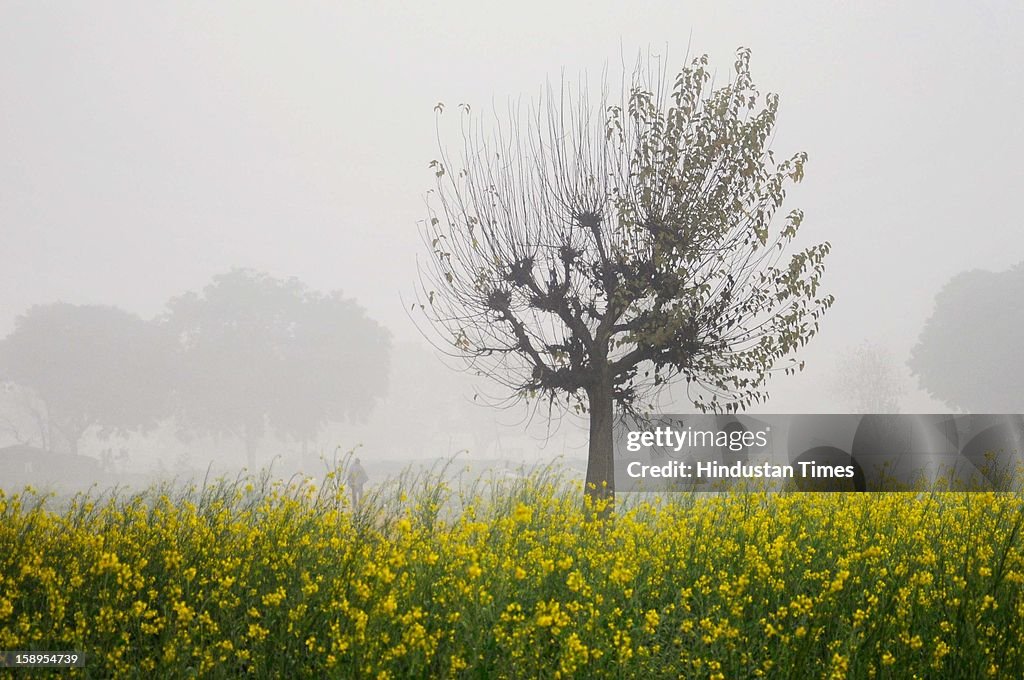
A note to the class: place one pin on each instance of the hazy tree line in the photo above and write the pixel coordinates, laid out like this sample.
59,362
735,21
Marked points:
251,354
248,354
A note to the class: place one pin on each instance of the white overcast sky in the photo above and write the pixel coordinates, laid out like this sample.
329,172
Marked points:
145,147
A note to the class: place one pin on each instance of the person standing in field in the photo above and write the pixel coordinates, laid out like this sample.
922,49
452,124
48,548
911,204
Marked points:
357,478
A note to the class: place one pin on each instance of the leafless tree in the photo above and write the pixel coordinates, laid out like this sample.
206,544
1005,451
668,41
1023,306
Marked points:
587,252
869,380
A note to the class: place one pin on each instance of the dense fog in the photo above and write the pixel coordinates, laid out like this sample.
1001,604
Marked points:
210,219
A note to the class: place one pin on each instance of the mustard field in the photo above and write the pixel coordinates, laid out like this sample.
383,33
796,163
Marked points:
513,580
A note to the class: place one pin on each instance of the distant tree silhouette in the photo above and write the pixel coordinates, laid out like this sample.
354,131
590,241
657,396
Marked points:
869,380
969,353
86,366
258,352
590,252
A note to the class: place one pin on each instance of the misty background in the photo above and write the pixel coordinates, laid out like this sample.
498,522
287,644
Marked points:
146,150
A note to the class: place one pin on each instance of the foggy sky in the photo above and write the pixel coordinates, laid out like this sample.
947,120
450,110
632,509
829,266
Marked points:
144,149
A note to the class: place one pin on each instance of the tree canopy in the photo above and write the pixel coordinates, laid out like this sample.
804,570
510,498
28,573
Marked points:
258,352
968,353
90,366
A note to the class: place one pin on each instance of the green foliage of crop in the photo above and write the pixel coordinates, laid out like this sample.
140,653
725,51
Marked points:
513,580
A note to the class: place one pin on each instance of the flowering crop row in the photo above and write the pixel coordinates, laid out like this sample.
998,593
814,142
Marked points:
287,581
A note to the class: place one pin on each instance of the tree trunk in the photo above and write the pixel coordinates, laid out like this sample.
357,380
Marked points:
600,485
